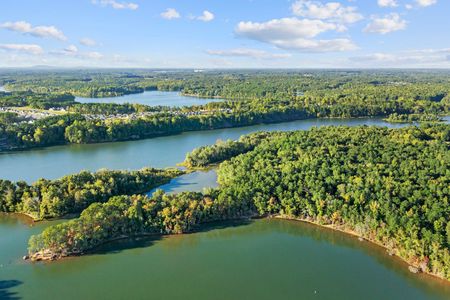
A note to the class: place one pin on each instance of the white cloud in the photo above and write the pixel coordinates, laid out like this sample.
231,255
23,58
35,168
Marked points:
286,28
411,58
38,31
93,55
247,52
425,3
332,11
116,5
26,48
88,42
170,14
387,3
73,51
305,45
207,16
295,34
389,23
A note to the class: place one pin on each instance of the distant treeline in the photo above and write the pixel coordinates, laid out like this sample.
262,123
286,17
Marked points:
33,100
410,118
254,97
74,128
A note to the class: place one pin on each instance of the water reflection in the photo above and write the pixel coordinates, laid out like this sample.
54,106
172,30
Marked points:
5,292
192,182
162,152
152,98
243,239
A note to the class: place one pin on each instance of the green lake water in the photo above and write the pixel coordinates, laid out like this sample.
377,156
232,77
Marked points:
161,152
261,259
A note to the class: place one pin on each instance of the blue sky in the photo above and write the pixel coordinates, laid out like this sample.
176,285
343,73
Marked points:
225,33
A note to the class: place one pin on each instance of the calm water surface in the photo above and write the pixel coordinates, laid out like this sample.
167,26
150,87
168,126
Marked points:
195,181
55,162
262,259
153,98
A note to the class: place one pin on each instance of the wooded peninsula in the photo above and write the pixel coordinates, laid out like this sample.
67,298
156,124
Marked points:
389,186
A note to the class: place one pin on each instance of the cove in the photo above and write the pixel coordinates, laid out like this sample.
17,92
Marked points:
152,98
191,182
160,152
258,259
261,259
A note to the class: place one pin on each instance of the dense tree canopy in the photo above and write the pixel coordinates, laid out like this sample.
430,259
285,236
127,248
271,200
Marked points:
391,186
253,97
207,155
73,193
410,118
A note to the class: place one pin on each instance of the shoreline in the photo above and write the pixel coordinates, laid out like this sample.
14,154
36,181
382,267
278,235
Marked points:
365,239
12,150
204,97
46,255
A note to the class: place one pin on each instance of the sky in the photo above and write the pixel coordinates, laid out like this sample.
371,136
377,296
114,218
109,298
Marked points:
225,33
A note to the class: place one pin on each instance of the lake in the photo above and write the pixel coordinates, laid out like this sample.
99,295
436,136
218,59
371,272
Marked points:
195,181
161,152
152,98
260,259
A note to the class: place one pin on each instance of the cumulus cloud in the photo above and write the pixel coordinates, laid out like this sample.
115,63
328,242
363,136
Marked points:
170,14
383,25
305,45
116,5
412,58
387,3
92,55
73,51
425,3
25,48
285,28
88,42
295,34
38,31
333,11
207,16
247,52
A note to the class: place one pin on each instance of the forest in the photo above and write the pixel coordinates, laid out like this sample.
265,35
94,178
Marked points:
71,194
410,118
252,97
34,100
206,156
389,186
77,129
